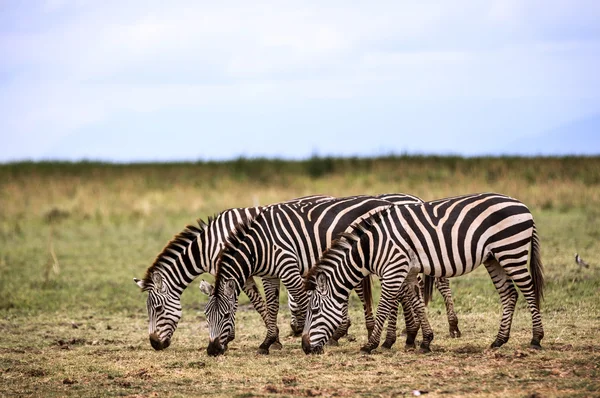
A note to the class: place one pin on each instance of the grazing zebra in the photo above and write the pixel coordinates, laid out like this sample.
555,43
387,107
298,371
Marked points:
284,241
447,237
189,254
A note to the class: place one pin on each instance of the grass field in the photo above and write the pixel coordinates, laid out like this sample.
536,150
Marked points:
73,323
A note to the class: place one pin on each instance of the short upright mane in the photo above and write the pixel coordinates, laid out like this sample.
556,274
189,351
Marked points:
179,244
346,240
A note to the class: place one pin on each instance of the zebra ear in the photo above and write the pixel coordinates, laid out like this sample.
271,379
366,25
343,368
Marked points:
139,282
206,288
321,283
229,289
158,282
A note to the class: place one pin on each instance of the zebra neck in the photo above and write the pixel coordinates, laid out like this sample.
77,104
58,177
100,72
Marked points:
181,268
341,288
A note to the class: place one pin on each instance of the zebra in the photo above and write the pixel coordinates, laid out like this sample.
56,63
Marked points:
447,237
283,241
190,253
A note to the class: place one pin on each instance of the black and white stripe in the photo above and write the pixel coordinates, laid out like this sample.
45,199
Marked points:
447,237
193,252
284,241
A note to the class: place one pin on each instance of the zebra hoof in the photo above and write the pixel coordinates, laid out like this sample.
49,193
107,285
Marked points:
497,344
535,345
455,333
365,350
424,348
388,343
410,347
333,342
276,346
262,351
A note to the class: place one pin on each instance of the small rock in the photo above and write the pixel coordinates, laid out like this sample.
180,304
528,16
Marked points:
417,393
69,381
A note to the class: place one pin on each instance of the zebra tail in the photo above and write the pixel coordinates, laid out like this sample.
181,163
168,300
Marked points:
428,282
536,268
367,294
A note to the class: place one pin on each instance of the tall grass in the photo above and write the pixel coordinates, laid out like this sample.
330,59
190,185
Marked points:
97,190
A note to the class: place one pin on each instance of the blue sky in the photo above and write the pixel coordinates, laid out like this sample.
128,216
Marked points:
188,80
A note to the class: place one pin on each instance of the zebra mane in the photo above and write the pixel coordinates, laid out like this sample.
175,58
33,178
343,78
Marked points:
345,242
178,245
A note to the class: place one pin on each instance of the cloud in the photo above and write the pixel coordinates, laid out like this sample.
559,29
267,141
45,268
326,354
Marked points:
67,65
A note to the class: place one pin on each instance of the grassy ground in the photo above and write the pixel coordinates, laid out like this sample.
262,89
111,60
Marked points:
72,237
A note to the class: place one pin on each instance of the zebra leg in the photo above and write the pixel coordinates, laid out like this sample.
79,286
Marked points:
411,323
508,297
272,298
271,286
369,320
522,278
413,292
295,332
256,299
443,286
390,336
386,304
296,291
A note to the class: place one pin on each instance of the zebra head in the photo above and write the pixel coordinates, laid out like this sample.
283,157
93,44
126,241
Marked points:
164,310
323,316
220,314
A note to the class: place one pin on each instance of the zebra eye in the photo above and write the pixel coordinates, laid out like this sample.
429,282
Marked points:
159,308
227,315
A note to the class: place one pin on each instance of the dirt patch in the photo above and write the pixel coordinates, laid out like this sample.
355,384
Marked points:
69,342
468,349
36,372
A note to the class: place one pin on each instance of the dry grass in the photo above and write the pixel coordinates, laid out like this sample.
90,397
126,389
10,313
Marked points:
80,329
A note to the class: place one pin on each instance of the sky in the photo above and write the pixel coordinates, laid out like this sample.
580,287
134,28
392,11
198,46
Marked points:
131,81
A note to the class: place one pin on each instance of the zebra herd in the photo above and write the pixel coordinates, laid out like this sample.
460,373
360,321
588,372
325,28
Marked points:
321,248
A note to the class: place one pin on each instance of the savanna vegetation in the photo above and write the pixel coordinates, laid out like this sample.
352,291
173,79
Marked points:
73,323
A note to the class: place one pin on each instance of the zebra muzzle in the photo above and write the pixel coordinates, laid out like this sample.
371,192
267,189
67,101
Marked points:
306,344
215,348
157,344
